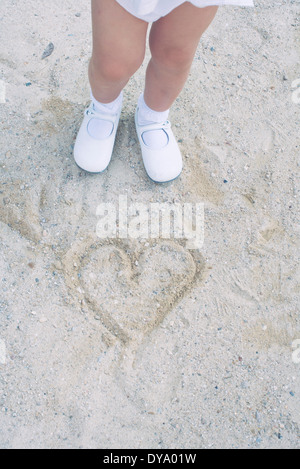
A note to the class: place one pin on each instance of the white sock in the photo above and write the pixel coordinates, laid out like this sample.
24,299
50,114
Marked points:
155,139
101,129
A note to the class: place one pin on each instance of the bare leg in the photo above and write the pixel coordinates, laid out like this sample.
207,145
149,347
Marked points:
173,43
118,49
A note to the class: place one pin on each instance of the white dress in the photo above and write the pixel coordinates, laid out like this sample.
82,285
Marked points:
152,10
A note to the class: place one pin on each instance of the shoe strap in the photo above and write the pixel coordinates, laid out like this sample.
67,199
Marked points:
101,115
156,126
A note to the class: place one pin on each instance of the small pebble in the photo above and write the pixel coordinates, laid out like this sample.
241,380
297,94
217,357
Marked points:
48,51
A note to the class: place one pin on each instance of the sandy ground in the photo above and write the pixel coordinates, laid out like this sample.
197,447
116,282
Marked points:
144,343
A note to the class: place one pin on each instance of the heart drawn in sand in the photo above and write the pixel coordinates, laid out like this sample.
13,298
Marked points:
130,290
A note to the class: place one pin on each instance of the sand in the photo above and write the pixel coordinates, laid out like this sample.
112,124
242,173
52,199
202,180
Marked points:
146,343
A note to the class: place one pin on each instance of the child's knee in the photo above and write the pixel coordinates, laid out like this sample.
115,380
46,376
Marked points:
174,58
116,69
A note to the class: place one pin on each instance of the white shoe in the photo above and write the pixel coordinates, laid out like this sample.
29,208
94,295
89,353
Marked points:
94,154
164,164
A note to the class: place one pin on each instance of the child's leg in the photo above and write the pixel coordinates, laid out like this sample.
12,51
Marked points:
173,42
118,49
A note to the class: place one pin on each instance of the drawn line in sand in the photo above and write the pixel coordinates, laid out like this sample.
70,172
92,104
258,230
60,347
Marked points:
130,290
296,92
18,211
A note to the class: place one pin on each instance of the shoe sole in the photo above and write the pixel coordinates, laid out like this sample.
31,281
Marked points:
163,182
90,172
152,180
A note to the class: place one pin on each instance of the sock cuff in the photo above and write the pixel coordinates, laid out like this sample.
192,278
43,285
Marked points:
147,115
111,108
